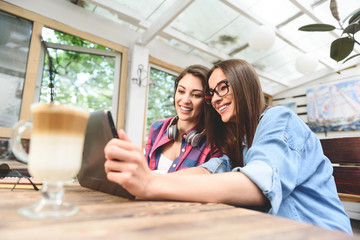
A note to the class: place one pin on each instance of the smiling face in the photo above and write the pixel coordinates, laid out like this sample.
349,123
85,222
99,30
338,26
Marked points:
189,100
224,105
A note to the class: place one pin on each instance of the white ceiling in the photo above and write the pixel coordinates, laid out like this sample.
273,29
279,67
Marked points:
216,30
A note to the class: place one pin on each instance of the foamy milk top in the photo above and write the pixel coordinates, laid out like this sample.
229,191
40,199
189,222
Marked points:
50,118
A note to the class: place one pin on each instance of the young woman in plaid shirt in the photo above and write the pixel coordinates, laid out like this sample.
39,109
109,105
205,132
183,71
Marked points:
178,142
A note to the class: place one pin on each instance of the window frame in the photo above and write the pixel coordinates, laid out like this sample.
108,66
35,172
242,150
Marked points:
33,65
163,66
79,49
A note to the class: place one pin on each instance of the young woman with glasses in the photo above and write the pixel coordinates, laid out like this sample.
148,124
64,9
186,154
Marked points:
178,142
273,160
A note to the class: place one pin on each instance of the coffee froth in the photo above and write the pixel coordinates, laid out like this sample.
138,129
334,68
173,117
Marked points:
57,141
58,119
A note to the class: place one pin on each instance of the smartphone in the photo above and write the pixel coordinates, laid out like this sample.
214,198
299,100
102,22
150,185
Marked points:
111,123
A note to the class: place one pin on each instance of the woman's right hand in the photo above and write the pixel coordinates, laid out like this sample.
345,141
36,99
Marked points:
126,165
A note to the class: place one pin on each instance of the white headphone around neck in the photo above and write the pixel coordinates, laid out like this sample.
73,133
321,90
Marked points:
194,137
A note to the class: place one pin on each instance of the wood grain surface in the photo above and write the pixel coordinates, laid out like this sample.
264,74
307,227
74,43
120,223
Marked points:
104,216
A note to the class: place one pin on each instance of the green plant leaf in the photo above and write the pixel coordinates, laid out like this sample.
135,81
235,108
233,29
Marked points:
318,27
353,13
352,28
341,48
355,16
357,19
353,56
334,9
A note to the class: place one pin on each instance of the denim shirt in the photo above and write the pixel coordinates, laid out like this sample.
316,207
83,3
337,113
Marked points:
287,163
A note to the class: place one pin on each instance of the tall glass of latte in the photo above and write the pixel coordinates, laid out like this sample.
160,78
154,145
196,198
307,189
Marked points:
55,155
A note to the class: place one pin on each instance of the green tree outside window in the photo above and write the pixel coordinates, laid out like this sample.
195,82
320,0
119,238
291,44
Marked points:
81,79
161,97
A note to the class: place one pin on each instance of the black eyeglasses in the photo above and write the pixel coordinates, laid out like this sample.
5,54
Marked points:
5,171
221,89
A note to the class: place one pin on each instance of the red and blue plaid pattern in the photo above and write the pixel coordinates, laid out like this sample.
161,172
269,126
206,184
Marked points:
189,156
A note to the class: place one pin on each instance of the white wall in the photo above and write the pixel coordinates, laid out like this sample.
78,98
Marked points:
136,95
300,96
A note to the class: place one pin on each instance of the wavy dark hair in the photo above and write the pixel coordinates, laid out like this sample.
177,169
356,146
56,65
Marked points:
249,105
197,71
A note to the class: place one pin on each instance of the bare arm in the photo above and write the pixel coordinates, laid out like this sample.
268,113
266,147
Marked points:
131,171
230,188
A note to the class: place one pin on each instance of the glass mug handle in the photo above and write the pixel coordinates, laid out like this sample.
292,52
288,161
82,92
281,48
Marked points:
15,141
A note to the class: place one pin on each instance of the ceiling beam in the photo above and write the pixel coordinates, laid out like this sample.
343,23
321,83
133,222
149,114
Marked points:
163,21
174,34
124,13
299,14
246,12
179,36
161,27
309,12
318,75
271,78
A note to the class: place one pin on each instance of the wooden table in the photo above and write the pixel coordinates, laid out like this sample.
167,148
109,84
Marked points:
104,216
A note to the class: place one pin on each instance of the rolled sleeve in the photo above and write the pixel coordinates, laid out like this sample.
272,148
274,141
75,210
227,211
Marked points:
218,165
267,179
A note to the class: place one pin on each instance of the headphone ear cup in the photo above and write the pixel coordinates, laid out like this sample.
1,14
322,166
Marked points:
196,140
193,138
172,132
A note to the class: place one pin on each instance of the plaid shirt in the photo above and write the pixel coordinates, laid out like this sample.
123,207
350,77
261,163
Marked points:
189,156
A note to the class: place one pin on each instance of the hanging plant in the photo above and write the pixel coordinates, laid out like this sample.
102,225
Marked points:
52,71
344,45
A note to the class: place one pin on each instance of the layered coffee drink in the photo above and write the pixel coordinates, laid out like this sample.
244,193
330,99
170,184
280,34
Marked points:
57,140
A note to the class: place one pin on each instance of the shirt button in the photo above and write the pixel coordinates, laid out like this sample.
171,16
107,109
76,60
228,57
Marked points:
174,165
183,150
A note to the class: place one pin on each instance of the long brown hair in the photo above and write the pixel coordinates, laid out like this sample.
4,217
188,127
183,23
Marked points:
197,71
249,104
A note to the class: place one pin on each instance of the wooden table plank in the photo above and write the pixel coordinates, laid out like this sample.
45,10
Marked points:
104,216
222,224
